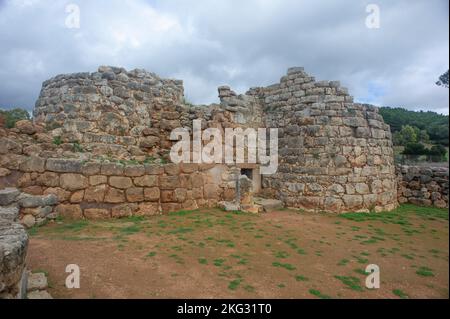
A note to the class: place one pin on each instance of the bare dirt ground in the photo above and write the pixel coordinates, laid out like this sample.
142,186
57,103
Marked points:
216,254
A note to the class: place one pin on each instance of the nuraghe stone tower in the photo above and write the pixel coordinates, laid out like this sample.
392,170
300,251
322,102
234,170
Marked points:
334,154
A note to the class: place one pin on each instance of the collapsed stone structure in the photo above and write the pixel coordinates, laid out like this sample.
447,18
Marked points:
100,142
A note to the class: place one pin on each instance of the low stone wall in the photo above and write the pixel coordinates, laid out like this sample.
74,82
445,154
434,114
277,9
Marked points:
31,209
96,190
424,186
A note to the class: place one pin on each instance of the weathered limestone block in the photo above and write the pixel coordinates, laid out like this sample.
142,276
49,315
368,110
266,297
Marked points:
91,168
13,248
49,179
73,182
37,281
27,201
64,165
10,213
96,213
8,196
151,194
147,181
70,211
111,169
33,164
120,182
97,180
124,210
114,195
149,209
168,182
95,193
61,194
135,194
77,197
353,201
153,169
134,171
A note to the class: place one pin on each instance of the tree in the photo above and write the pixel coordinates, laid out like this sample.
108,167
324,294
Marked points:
407,135
14,115
422,135
443,80
437,150
436,125
415,149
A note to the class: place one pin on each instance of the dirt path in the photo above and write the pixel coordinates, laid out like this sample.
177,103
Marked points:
214,254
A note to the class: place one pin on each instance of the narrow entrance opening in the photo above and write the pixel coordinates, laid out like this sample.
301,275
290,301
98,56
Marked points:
247,172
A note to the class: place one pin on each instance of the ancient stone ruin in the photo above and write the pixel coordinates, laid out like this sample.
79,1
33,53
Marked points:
99,144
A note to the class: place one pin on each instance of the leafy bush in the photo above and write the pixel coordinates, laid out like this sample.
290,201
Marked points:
415,149
14,115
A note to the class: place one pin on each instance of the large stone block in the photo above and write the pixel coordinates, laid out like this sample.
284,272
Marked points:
124,210
61,165
33,164
146,181
97,213
151,194
8,195
70,211
352,201
169,182
49,179
114,195
120,182
73,182
28,201
135,194
95,193
148,209
13,249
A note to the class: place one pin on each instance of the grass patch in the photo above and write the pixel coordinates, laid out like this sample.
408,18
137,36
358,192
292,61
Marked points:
399,215
218,262
425,272
399,293
202,261
180,230
351,282
301,278
129,230
286,266
233,285
281,254
343,262
318,294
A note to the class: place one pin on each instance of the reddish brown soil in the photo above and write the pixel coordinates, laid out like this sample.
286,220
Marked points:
214,254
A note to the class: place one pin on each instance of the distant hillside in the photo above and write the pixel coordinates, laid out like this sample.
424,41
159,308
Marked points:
436,125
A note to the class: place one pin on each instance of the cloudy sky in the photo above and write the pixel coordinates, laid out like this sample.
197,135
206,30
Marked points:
247,43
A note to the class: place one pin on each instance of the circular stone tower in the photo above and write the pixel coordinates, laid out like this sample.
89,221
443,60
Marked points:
334,155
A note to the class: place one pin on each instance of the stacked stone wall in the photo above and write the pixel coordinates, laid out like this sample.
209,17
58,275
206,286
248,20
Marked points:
335,155
424,186
96,190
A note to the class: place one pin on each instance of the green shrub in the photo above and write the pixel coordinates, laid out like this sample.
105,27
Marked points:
14,115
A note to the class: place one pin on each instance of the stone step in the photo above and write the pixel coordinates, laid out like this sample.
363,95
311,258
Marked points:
269,204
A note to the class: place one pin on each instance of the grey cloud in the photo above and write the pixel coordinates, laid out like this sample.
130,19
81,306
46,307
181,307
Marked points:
240,43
